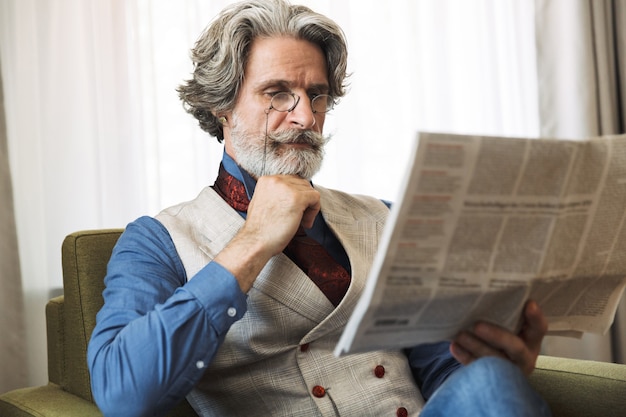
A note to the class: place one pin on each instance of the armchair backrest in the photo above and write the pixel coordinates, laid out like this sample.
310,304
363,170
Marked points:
71,318
84,257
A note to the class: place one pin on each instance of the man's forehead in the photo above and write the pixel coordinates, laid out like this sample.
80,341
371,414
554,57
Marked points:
286,61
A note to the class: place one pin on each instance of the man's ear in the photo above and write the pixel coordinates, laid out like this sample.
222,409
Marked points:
222,117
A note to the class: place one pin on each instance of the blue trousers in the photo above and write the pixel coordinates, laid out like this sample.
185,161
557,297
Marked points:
487,387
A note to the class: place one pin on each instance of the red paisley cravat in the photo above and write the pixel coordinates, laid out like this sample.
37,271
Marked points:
330,277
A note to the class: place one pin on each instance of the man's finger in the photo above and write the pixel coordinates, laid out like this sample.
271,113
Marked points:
535,326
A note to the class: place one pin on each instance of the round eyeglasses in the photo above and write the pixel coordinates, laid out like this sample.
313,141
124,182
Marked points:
284,101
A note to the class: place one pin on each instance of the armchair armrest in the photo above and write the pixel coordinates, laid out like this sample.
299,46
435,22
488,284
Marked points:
52,401
55,325
47,400
582,388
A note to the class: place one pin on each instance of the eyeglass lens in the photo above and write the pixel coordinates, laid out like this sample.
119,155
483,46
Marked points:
288,101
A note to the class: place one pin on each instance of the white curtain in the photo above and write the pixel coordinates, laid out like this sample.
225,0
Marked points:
454,65
12,342
97,135
91,143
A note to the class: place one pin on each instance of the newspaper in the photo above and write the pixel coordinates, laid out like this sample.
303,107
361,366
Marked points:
482,225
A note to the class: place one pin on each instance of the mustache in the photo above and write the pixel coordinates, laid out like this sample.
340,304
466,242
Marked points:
293,136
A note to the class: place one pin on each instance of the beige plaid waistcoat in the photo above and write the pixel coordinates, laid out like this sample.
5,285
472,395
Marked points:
278,359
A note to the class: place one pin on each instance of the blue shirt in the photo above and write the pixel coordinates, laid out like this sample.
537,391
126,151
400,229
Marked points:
158,330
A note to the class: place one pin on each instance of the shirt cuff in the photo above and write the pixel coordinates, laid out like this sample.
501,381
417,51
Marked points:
217,290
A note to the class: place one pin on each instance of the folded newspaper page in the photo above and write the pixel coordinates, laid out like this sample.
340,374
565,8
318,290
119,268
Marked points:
482,225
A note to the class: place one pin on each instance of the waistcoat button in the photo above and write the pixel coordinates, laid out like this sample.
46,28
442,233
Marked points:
304,347
379,371
402,412
319,391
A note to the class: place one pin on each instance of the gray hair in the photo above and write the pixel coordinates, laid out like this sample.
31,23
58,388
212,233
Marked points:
221,53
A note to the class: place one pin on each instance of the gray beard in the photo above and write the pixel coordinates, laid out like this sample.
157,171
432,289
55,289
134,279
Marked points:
260,156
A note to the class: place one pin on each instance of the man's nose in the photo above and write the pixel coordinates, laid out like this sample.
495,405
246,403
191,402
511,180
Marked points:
302,115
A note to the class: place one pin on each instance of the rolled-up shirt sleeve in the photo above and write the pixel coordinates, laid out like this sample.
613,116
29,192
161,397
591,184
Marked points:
157,330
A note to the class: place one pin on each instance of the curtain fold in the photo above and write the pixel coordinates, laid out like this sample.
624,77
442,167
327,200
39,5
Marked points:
608,32
618,20
13,363
581,57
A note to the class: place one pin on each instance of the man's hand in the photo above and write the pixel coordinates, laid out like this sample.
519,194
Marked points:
490,340
280,204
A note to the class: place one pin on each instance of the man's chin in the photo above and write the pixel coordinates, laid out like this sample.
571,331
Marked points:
305,172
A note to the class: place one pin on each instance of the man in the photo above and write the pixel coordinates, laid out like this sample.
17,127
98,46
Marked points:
236,299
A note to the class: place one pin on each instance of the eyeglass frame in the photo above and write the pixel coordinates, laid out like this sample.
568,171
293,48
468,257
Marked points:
296,100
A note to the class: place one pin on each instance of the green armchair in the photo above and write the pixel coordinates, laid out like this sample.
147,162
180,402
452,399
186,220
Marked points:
572,387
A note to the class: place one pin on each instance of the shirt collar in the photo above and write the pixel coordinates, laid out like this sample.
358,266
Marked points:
241,174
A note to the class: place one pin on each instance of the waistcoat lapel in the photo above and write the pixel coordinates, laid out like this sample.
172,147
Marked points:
358,224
